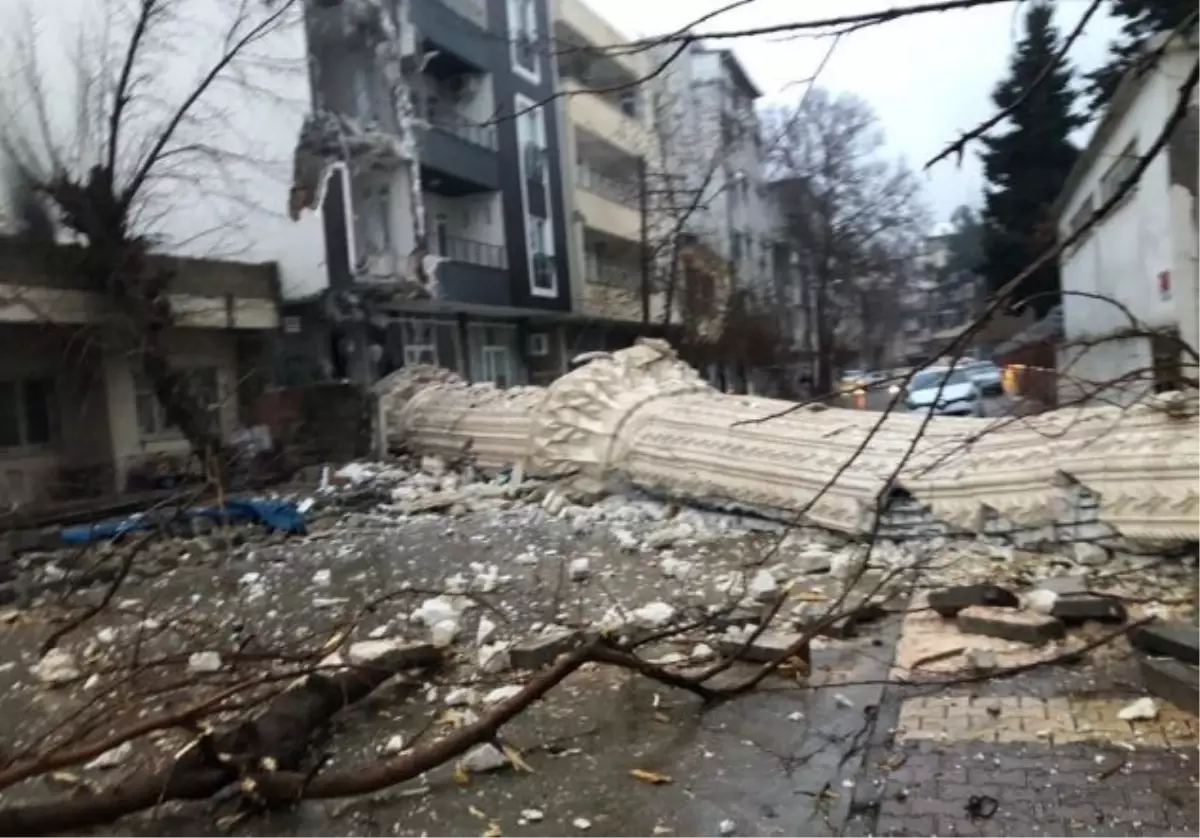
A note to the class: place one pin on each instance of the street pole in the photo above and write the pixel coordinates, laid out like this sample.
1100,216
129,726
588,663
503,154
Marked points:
643,201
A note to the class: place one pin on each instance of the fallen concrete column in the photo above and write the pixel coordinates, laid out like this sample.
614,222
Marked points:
643,416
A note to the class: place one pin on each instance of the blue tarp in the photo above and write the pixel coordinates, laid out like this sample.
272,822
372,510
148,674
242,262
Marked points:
280,515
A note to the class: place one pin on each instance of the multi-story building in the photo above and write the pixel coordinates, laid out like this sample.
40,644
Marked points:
714,149
443,199
612,161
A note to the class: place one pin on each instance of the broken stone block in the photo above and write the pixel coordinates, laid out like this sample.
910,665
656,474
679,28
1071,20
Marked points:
1022,626
579,570
502,693
443,632
57,667
536,652
763,587
1090,554
111,758
671,534
1145,709
1171,639
1065,585
1173,681
1074,610
949,601
483,758
365,651
766,648
653,615
494,658
204,662
1039,600
980,660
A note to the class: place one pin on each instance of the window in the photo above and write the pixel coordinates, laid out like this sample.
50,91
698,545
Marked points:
629,102
292,325
538,344
363,105
420,343
537,235
523,27
497,366
152,418
1119,172
374,217
28,412
441,234
735,247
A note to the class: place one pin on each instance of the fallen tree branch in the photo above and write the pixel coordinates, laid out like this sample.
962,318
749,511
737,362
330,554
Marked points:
247,751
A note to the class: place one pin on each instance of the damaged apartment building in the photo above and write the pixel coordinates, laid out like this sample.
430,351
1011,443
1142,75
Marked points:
431,157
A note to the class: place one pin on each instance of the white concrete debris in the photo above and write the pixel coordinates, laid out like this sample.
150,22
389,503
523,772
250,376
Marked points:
582,824
502,693
484,758
433,465
1040,600
106,636
494,658
365,651
579,569
394,745
485,631
727,827
763,587
461,697
674,568
199,662
455,584
669,536
625,540
437,609
111,758
702,651
322,578
443,633
532,815
1145,709
654,615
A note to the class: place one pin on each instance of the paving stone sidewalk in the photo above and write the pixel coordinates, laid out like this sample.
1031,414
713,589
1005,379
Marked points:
1020,762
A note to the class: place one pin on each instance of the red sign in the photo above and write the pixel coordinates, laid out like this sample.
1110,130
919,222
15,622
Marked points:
1164,285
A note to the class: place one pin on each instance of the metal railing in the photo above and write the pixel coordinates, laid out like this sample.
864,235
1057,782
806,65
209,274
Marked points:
457,125
612,274
610,188
467,250
472,10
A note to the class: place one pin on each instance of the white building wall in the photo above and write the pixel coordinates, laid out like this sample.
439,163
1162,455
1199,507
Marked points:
1151,232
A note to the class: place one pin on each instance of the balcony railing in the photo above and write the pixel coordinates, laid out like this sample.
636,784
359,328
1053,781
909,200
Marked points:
611,274
480,135
472,10
617,191
475,253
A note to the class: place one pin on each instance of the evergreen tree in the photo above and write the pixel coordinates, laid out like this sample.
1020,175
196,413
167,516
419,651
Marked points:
1027,164
1141,20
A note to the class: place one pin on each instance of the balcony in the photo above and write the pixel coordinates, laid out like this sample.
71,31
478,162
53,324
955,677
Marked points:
473,272
613,275
607,204
458,157
604,118
614,189
577,25
457,30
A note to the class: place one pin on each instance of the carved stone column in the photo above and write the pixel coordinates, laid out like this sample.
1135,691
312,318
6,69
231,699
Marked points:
643,416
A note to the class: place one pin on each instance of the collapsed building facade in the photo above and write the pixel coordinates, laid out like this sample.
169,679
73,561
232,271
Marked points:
1091,478
435,251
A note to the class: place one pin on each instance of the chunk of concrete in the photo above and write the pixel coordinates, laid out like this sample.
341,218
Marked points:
1065,585
1173,681
766,648
483,758
1171,639
204,662
1008,624
542,650
56,668
1145,709
1074,610
763,587
949,601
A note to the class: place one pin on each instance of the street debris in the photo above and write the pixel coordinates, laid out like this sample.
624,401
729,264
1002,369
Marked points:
1144,709
438,556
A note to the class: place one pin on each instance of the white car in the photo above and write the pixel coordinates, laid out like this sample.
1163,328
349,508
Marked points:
944,391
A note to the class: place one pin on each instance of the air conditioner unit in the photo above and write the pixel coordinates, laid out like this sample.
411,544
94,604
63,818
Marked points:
538,345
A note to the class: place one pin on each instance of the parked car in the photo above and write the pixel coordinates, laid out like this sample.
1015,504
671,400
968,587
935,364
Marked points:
944,391
851,380
987,377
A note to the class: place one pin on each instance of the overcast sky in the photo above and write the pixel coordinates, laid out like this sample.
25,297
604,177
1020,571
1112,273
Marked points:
929,77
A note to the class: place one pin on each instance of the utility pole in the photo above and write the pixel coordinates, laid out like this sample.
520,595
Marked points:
644,237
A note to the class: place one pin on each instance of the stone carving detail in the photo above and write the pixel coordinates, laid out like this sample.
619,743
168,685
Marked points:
583,413
644,416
